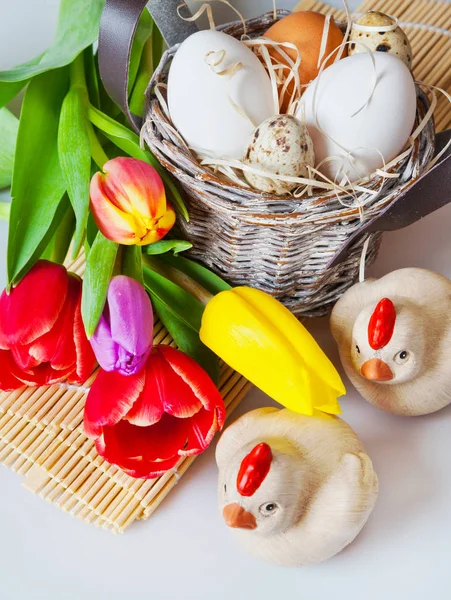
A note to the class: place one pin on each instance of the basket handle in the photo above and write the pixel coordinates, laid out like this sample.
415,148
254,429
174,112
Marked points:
117,31
429,192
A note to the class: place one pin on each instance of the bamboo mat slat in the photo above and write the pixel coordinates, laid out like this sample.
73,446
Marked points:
427,24
42,439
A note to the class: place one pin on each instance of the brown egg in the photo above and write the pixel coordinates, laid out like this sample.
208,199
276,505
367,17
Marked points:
305,30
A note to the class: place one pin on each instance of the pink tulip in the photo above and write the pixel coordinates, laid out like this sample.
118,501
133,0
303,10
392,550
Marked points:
123,339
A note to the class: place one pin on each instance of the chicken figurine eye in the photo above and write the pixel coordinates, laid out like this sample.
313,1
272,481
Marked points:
402,357
268,509
394,340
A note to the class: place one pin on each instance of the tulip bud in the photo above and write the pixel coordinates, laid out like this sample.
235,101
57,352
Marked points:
129,204
123,339
261,339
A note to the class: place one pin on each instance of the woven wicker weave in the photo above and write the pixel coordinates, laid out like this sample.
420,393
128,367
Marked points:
280,245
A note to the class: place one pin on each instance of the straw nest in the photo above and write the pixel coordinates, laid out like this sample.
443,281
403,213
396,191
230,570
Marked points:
281,245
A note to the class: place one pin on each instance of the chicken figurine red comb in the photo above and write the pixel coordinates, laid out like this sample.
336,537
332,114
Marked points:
253,470
295,489
381,324
394,340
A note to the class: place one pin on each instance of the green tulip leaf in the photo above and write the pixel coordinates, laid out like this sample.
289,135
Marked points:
46,246
5,208
78,27
204,277
158,46
164,246
98,273
10,89
137,99
91,230
187,340
179,302
63,236
75,158
9,127
132,264
143,33
38,183
59,244
128,141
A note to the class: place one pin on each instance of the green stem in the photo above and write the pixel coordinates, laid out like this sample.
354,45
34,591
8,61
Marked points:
78,80
97,152
77,74
132,263
179,278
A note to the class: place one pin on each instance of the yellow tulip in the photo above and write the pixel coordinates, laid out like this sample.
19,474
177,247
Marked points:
261,339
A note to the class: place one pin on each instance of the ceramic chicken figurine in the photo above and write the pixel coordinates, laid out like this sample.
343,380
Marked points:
394,339
295,489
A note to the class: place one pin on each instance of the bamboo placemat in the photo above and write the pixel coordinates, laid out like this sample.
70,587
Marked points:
427,24
42,439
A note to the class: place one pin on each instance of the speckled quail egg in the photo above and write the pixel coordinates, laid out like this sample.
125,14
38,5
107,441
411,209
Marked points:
281,145
394,42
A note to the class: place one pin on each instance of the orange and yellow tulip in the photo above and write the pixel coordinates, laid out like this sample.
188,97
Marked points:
261,339
129,204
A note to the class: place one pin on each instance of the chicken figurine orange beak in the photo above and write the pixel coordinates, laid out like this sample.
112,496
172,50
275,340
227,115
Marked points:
376,370
235,516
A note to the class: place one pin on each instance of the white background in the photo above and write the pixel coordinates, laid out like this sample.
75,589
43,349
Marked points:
185,551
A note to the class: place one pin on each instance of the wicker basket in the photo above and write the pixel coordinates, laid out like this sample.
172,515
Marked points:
279,245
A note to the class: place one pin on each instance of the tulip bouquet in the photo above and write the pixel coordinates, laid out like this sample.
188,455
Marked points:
81,182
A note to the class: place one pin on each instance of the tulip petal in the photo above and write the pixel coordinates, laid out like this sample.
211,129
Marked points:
23,322
160,441
195,378
86,360
165,391
147,470
8,381
137,467
135,186
57,346
43,375
4,344
114,224
131,315
258,337
23,358
110,398
202,428
103,345
299,337
161,228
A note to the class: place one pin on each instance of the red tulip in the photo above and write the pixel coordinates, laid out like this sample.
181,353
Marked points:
146,422
42,339
129,203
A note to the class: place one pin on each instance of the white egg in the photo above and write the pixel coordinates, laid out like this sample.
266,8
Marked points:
382,126
201,101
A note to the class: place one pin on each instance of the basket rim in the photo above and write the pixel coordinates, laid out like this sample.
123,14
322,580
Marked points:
184,160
